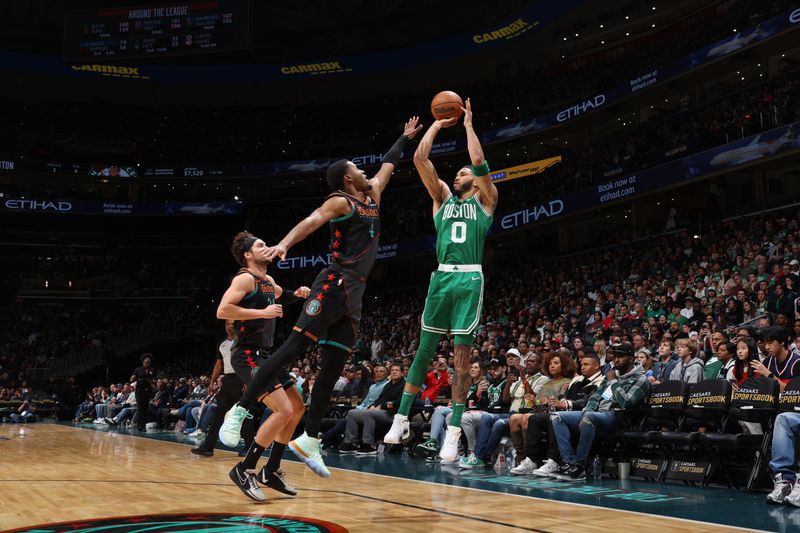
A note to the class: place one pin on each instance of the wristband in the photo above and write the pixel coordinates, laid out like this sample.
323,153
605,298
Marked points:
481,170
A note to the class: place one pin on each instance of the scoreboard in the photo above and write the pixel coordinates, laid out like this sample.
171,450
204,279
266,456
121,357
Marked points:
156,31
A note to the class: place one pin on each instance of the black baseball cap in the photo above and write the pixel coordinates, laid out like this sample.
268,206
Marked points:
622,348
500,360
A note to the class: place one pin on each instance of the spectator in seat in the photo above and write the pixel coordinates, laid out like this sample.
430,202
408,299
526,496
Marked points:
713,364
436,381
780,364
746,353
331,437
26,412
624,387
784,460
358,387
780,302
496,414
560,370
726,355
645,359
347,376
476,403
380,412
690,368
667,360
574,399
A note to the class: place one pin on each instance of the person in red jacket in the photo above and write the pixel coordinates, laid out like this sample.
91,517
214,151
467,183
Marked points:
436,381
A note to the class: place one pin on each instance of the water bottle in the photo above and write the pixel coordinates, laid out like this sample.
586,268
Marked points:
597,468
510,457
500,464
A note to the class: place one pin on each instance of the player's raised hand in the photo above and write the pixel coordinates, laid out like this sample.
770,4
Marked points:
278,250
302,292
467,114
412,127
446,122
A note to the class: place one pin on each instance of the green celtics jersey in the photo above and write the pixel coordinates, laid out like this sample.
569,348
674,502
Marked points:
461,231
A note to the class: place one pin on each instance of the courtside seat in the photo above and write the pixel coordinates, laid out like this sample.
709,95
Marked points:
707,407
747,436
789,401
664,408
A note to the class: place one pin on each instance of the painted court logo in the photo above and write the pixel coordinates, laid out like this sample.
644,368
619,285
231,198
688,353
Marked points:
188,523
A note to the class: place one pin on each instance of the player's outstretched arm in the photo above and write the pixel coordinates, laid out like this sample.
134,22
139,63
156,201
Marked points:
297,294
438,189
487,189
392,157
333,207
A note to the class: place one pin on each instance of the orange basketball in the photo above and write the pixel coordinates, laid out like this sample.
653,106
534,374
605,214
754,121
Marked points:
446,104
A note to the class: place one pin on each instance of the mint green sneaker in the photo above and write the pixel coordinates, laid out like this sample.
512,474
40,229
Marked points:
308,450
229,432
468,463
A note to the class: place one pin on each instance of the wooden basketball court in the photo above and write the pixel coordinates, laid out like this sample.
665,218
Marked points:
55,473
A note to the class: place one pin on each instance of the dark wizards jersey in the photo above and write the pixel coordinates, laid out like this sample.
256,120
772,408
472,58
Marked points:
354,237
256,332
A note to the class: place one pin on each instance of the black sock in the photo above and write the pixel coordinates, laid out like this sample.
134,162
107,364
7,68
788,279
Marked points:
275,455
253,453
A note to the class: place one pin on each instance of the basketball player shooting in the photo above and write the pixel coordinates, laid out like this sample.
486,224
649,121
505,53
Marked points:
455,293
332,315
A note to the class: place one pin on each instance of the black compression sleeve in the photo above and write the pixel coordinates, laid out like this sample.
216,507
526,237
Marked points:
287,297
396,151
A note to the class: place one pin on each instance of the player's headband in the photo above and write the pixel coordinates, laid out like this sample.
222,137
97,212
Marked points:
249,242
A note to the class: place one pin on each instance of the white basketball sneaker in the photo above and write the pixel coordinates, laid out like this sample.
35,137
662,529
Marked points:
399,431
449,451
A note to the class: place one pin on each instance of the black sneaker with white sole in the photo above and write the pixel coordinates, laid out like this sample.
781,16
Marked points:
347,448
246,481
275,480
560,471
366,449
573,473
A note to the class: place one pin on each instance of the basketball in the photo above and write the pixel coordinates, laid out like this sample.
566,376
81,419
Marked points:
446,104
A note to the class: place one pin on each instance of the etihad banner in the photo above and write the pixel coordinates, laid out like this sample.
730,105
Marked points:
774,142
528,169
76,207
